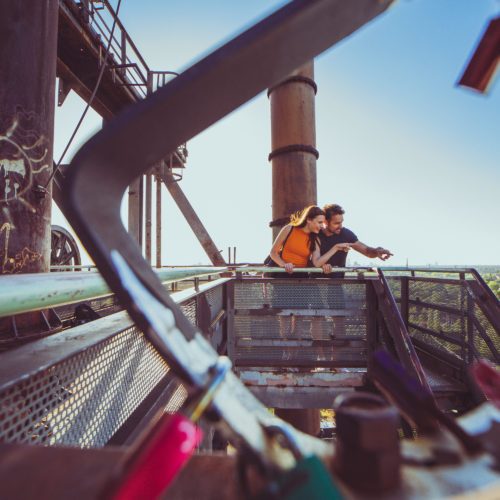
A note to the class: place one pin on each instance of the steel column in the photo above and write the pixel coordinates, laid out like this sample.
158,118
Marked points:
28,53
148,221
135,210
293,138
293,157
158,219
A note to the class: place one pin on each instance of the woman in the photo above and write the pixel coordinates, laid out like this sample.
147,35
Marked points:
297,243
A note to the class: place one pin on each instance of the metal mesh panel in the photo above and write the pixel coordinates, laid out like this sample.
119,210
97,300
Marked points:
103,306
215,298
300,322
481,347
450,322
83,400
189,310
431,340
300,327
313,356
305,294
395,286
439,321
177,400
445,294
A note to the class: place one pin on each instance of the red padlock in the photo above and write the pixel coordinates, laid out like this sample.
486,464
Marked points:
174,440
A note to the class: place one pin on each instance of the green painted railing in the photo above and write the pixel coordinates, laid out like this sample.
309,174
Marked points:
21,293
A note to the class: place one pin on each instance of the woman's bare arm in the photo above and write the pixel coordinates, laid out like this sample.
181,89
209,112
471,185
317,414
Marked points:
278,243
319,260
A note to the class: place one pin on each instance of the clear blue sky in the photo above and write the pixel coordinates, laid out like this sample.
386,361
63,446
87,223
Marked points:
414,160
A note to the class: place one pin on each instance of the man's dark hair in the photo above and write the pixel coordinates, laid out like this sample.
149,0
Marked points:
332,209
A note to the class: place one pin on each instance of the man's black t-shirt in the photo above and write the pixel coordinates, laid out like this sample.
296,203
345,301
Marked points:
327,242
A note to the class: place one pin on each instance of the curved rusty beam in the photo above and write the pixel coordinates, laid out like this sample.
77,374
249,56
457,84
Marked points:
145,133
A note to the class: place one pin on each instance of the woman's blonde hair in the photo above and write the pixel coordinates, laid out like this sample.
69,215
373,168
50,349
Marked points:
299,219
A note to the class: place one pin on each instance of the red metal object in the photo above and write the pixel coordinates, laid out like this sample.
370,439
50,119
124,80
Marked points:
161,459
488,379
483,63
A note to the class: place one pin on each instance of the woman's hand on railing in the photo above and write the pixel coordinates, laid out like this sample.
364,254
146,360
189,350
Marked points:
288,267
327,268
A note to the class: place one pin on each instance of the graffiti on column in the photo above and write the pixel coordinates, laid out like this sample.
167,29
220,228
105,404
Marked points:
10,264
23,155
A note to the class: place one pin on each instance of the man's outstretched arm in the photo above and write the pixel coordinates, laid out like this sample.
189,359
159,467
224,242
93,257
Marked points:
371,252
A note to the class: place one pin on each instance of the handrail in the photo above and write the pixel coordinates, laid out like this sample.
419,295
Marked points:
485,288
22,293
456,270
407,354
315,270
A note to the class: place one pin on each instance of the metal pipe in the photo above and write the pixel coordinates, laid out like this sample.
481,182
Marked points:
34,292
134,211
158,221
148,218
315,270
293,139
457,270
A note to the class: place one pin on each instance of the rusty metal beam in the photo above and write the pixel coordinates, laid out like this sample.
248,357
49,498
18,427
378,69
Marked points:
79,53
483,63
192,218
99,104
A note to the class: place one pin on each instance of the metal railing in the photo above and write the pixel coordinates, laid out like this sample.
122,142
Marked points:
23,293
126,63
97,383
449,311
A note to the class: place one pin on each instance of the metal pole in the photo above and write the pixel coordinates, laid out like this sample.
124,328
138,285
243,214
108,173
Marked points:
293,138
34,292
158,220
293,157
28,53
134,210
149,206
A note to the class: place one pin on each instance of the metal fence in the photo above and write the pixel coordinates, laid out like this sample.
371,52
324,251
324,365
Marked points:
450,313
95,383
299,322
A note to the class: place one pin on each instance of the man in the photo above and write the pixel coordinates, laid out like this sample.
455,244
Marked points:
336,241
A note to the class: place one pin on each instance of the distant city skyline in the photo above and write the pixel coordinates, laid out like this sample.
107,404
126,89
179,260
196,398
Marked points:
414,160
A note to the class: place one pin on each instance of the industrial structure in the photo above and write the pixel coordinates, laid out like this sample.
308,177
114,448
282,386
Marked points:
94,360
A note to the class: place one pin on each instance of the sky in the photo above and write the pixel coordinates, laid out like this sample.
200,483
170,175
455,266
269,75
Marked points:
413,159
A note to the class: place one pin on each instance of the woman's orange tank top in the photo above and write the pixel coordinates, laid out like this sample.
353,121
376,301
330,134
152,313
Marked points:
296,249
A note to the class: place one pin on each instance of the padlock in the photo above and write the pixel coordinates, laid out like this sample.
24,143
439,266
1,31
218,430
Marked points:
308,479
167,448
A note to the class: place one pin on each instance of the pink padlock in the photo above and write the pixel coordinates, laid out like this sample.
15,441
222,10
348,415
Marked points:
155,466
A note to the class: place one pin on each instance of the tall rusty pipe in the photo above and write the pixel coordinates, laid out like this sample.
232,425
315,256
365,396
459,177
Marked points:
293,141
293,157
28,54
